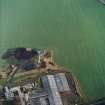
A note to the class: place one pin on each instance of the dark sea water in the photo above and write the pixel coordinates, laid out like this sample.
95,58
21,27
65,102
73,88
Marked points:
74,29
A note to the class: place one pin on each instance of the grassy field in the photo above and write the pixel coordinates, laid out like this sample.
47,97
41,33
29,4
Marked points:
74,29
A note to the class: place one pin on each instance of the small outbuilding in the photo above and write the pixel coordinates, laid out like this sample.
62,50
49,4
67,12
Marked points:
38,97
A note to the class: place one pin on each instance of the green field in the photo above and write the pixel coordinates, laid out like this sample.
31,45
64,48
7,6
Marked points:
74,29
